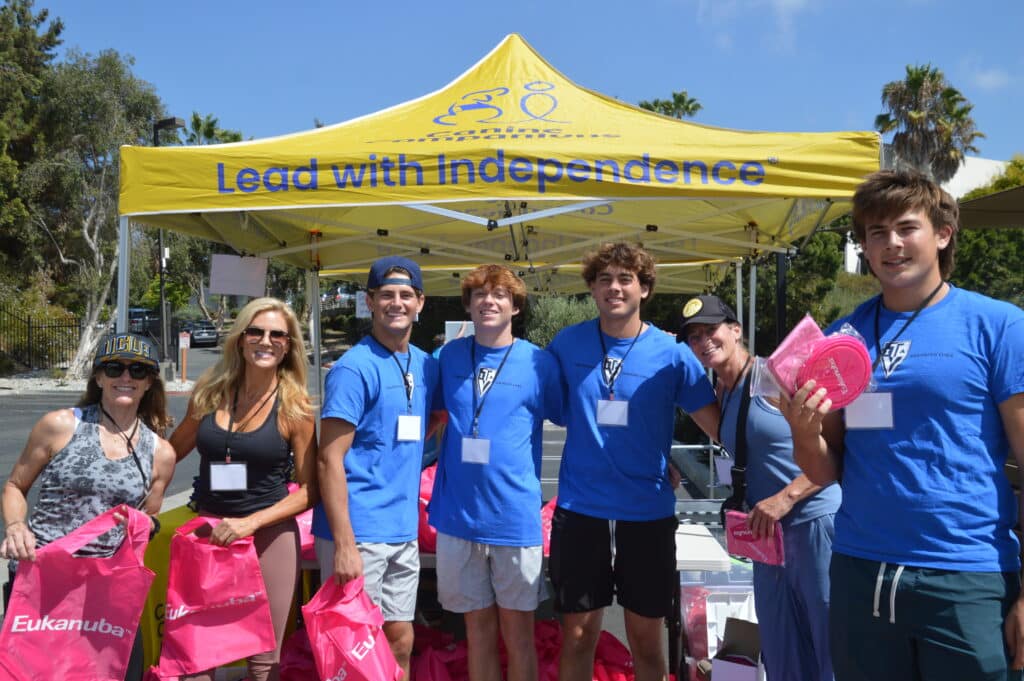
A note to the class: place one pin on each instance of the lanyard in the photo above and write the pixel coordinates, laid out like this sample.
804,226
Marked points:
477,408
406,380
736,384
243,424
878,312
131,449
613,375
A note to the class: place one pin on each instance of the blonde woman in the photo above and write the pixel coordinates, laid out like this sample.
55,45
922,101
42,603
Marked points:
250,419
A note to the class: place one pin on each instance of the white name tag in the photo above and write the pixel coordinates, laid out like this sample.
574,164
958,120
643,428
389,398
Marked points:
228,477
870,411
723,468
613,412
476,450
408,428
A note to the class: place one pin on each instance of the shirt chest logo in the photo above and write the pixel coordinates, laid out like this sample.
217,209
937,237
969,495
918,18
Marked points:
610,368
893,355
485,379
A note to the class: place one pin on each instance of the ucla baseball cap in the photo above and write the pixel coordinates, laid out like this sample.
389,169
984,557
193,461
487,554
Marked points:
382,266
706,310
127,347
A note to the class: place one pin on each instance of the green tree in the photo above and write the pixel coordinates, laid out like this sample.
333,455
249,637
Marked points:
681,105
89,107
930,121
547,315
991,261
206,130
27,47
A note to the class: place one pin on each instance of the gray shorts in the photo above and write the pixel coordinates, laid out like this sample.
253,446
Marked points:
472,576
391,573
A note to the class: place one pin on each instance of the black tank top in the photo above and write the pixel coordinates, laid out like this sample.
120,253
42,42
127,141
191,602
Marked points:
268,459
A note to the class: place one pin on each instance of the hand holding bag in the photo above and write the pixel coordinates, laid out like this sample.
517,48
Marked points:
217,607
345,630
75,618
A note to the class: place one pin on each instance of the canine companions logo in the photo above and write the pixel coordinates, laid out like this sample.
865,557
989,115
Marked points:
24,623
488,106
611,368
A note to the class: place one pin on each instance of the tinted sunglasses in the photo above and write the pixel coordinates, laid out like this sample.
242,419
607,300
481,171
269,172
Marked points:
255,334
136,370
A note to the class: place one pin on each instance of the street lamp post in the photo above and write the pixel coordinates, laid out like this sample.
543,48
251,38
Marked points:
163,124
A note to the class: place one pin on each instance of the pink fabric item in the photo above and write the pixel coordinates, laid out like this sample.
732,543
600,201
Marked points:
841,365
347,636
307,543
427,534
214,594
740,541
794,349
547,512
75,618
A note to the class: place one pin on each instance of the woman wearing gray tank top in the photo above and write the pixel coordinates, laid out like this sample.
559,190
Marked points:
106,451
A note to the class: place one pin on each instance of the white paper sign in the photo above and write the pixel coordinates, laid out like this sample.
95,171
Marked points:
233,275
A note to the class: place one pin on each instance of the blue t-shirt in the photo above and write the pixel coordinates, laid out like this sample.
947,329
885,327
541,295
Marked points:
365,387
497,502
620,472
770,464
931,492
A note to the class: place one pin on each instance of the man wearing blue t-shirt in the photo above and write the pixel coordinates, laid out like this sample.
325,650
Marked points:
613,532
925,562
497,390
374,418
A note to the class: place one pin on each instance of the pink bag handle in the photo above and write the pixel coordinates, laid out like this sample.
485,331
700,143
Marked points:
331,593
136,531
194,524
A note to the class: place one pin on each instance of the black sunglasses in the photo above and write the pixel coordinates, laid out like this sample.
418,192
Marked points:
255,334
136,370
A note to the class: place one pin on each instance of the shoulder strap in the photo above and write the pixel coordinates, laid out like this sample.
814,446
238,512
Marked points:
740,464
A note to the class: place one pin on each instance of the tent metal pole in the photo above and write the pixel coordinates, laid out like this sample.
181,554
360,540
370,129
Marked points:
781,264
123,252
753,303
739,291
313,295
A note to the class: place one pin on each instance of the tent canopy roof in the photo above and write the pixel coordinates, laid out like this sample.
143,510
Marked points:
1002,209
510,162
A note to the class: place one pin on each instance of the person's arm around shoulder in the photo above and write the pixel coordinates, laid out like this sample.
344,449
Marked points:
183,439
1012,413
336,437
50,434
817,433
301,437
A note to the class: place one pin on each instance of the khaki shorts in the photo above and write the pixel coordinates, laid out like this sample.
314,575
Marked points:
472,576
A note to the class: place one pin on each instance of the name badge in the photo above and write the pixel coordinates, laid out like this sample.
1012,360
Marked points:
228,477
870,411
613,412
476,450
408,428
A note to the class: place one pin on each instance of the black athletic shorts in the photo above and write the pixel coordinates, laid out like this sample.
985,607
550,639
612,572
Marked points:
585,576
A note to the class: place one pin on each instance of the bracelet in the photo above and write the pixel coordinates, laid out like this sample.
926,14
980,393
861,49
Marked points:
156,527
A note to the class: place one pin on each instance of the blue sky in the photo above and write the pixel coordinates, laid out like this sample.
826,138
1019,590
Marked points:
268,68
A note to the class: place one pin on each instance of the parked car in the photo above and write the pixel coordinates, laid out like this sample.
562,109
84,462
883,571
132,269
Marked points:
202,332
140,318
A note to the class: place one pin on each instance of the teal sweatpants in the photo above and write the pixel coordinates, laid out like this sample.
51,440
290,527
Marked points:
918,624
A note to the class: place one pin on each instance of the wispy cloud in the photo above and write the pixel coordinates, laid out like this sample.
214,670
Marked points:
718,15
991,79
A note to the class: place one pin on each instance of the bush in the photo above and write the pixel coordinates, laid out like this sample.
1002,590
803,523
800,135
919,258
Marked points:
547,315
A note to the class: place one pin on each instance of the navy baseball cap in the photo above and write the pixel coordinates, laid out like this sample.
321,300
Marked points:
706,310
382,266
127,347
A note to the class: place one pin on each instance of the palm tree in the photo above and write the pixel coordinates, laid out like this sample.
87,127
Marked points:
930,121
682,105
204,130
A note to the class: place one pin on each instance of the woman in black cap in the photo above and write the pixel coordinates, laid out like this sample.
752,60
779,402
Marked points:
106,451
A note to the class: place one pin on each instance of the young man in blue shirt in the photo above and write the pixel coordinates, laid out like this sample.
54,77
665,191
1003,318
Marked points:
622,378
497,390
925,562
374,420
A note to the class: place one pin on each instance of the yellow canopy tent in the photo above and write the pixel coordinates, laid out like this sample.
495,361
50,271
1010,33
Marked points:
511,162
